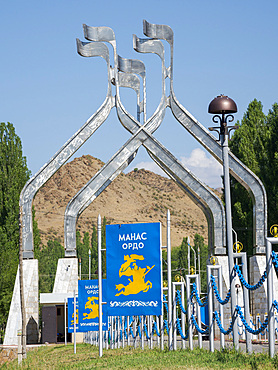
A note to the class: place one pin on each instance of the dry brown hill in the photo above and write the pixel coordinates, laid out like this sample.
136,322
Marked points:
139,196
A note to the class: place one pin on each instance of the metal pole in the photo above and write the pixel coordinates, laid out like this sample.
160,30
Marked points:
246,303
199,311
210,310
174,317
199,266
65,320
118,332
157,320
220,288
183,315
188,254
225,149
112,332
74,322
123,331
270,309
99,287
142,332
190,332
89,264
195,272
162,331
134,331
21,285
150,331
127,330
169,272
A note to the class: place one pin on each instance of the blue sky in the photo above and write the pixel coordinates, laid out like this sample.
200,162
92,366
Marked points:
48,91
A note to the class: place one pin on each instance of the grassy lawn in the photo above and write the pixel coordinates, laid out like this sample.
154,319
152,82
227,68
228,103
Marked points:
62,357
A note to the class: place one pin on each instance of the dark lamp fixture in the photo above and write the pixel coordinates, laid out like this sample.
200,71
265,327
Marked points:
222,105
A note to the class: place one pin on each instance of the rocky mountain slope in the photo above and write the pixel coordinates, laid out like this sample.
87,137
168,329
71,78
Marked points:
139,196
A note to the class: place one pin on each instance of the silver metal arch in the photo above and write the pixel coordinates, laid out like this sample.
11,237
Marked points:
111,170
67,150
237,169
92,189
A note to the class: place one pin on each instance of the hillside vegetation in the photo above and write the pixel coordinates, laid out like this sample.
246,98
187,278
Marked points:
139,196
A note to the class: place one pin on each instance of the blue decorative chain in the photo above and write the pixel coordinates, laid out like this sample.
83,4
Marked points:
184,337
244,282
223,331
275,304
197,326
125,327
146,331
165,303
179,301
275,259
217,295
155,328
139,331
166,326
259,321
248,328
131,331
195,292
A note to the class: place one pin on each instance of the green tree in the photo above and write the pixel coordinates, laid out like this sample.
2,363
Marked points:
103,245
249,144
270,177
182,257
94,255
199,245
48,259
82,249
179,257
14,174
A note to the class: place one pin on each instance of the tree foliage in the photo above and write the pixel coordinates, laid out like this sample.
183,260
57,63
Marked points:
255,144
270,177
48,259
179,260
14,174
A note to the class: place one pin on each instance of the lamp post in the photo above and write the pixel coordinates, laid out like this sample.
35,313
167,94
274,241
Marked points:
89,264
222,107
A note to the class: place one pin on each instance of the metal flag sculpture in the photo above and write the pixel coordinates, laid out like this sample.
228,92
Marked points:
200,194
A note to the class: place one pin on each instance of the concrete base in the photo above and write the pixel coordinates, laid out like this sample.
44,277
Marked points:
66,279
79,337
31,297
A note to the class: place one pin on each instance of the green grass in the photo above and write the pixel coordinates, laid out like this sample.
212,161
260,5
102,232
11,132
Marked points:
62,357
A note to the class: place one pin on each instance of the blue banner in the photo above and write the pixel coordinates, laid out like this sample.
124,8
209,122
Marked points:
88,306
133,269
71,315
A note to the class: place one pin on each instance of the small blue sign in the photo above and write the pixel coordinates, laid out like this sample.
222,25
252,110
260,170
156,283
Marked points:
88,306
133,268
71,315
